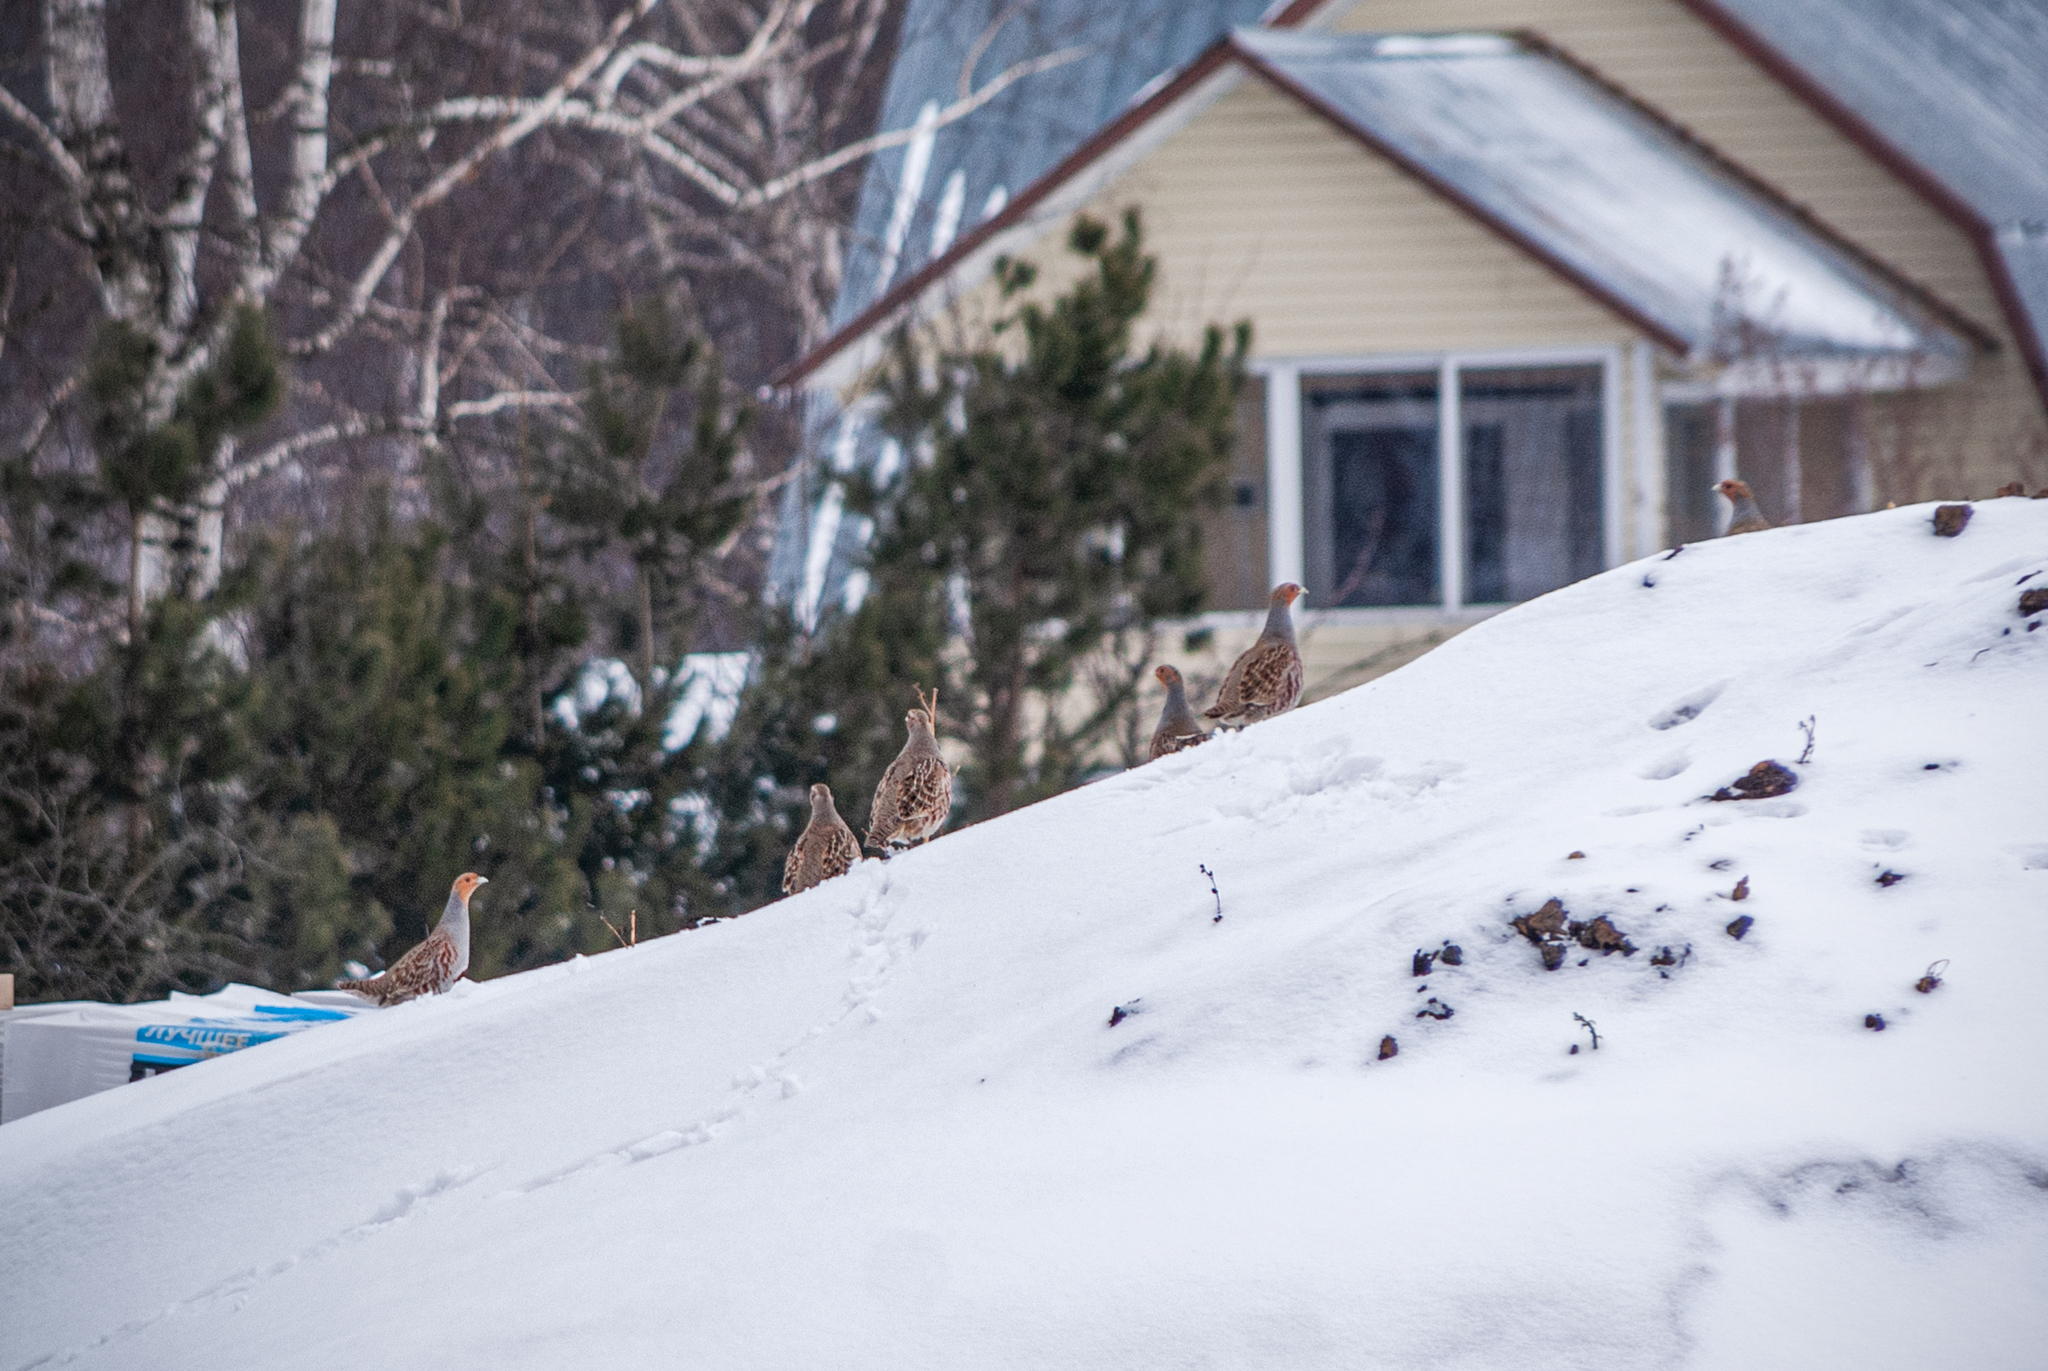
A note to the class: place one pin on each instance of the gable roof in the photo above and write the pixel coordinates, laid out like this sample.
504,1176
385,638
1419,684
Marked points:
1604,190
915,199
1952,95
1609,192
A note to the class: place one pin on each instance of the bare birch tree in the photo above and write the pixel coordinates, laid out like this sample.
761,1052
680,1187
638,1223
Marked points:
437,205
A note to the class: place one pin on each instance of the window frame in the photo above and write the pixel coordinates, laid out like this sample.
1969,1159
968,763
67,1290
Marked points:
1286,515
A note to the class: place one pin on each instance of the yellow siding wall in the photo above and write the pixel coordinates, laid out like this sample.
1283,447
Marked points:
1662,54
1260,209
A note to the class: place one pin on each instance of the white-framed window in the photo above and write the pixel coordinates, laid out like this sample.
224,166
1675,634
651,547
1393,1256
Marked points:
1443,480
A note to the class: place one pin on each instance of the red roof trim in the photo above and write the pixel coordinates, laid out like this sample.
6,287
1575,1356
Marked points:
1298,12
1859,131
1075,162
1921,295
2009,299
1344,125
1225,50
1105,138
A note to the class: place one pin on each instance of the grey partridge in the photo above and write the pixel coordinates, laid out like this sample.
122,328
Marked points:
1266,678
435,964
1178,728
915,793
1747,518
824,849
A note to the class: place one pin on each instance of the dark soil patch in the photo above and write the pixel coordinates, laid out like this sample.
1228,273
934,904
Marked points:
1765,780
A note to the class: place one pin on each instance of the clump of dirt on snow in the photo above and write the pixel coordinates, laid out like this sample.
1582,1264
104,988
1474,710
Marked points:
1602,936
1552,930
1547,922
1765,780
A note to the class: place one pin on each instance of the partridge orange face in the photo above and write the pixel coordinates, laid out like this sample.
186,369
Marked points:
467,882
1167,675
1288,593
1734,489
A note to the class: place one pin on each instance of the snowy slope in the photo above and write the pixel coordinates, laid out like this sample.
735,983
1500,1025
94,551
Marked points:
886,1124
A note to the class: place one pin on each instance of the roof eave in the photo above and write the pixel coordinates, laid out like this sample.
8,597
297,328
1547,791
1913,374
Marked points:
1655,328
895,302
1982,232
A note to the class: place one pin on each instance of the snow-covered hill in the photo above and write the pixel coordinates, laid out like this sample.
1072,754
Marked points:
888,1124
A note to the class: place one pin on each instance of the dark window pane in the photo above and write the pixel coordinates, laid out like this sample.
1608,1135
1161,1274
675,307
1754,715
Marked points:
1369,452
1486,514
1689,473
1532,480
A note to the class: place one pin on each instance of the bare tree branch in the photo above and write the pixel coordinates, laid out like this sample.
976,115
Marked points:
512,399
953,113
279,453
46,141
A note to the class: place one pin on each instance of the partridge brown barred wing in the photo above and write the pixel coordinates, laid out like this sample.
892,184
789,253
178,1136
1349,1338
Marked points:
428,969
1266,679
916,792
826,848
1178,729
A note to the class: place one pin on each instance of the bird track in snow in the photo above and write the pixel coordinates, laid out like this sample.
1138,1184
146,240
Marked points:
235,1289
1687,707
875,954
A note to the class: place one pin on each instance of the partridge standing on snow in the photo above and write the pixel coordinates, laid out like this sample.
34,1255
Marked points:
916,791
435,964
1177,727
1747,518
1266,679
825,848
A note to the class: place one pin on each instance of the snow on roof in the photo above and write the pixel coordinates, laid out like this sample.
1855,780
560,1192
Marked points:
1607,191
1692,248
887,1123
1954,92
1960,86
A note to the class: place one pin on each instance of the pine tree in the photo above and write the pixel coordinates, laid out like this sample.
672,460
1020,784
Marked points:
1049,516
117,806
1059,508
177,815
649,469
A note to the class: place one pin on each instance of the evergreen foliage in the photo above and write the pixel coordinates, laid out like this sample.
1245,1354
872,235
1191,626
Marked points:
281,779
669,505
1048,516
284,778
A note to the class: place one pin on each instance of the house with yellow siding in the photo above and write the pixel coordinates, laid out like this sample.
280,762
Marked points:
1527,278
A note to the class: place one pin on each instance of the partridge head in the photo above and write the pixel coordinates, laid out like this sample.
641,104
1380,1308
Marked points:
1746,518
1178,727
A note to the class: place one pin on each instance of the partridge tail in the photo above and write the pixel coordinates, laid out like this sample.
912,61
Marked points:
371,988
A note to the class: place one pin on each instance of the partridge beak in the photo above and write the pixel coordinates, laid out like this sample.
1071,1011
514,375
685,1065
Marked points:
483,880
